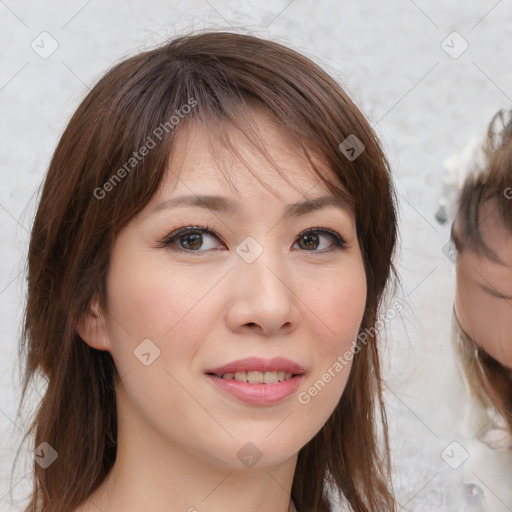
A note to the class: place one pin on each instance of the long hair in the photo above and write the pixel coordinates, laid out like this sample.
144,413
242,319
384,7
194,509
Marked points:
220,76
489,381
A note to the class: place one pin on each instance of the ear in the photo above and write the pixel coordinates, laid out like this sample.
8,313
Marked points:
92,327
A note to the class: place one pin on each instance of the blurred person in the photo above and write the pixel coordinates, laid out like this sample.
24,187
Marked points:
478,201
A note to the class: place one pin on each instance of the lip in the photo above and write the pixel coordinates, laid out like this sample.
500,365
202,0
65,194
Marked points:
258,364
260,394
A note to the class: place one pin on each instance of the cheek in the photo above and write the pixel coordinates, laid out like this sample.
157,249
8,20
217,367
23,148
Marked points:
336,312
146,302
480,318
340,303
472,315
466,305
492,328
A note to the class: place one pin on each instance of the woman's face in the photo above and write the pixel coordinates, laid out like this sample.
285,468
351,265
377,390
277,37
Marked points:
483,301
256,286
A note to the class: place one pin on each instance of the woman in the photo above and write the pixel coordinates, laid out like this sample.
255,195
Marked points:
246,377
482,237
482,317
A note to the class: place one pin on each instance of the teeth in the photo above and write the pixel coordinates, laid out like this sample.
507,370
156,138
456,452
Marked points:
258,377
241,376
270,377
255,377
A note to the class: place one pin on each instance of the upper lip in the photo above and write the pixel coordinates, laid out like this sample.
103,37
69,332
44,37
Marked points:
258,364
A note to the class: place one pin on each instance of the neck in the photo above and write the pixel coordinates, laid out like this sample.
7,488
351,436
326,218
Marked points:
153,473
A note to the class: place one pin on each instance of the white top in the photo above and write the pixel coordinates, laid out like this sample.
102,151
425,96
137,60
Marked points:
486,474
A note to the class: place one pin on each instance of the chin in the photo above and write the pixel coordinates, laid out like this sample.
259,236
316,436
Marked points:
255,452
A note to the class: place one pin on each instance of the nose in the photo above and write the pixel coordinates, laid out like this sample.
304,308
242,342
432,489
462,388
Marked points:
263,296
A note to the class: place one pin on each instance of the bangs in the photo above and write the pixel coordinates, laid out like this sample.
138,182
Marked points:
153,110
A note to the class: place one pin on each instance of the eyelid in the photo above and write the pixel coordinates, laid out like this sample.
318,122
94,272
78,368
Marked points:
185,229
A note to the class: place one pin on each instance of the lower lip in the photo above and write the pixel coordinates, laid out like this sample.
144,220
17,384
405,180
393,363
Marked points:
258,393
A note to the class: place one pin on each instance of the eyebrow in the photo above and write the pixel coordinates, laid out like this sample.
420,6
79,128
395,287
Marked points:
231,207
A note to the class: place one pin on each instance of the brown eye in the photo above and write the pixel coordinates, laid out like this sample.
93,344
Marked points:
313,236
190,239
311,241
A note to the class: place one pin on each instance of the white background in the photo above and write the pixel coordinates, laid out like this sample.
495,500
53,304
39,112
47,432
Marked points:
424,104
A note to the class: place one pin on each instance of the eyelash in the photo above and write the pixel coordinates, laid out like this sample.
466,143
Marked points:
339,241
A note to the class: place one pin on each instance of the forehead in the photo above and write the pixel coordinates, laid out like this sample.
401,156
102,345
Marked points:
496,274
264,155
494,233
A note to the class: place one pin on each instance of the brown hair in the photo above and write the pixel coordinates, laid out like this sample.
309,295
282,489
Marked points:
72,236
488,379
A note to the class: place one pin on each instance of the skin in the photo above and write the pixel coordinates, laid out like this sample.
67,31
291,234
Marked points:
483,300
178,434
